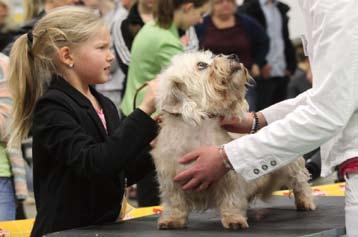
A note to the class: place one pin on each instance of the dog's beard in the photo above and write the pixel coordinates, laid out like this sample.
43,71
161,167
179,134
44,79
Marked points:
224,90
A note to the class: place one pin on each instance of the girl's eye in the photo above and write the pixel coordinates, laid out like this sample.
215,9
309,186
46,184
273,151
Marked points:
102,46
202,66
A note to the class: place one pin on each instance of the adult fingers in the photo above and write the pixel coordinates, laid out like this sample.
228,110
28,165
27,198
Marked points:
202,187
189,157
185,176
192,184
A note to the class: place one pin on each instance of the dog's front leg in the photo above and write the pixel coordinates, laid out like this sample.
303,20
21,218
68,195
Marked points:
175,213
233,217
232,204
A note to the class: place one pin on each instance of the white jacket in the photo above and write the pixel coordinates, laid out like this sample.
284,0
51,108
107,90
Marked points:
327,114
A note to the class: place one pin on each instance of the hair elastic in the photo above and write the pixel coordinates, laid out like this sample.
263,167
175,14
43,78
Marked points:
30,38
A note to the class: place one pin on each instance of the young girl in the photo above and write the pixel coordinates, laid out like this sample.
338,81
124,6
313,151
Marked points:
81,152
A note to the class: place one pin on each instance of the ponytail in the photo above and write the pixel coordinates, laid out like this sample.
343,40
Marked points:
25,88
164,12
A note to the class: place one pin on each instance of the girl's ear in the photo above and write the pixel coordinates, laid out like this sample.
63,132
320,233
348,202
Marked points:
65,56
187,7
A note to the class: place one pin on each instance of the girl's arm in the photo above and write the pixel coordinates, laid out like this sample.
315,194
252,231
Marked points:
56,129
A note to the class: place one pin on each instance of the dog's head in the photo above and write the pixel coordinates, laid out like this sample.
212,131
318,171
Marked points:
200,85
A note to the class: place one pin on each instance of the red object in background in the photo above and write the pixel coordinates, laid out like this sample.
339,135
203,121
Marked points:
348,166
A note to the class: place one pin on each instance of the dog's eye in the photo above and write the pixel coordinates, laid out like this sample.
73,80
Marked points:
202,65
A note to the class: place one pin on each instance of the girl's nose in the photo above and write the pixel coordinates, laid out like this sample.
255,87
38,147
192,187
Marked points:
110,56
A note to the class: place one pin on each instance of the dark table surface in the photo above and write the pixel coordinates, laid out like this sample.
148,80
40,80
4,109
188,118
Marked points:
278,218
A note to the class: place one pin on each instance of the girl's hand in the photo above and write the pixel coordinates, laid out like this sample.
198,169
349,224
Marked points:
148,104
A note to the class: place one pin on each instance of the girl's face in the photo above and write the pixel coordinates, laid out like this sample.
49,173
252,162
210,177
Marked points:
191,16
92,58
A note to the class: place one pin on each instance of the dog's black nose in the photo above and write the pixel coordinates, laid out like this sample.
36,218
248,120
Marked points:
233,57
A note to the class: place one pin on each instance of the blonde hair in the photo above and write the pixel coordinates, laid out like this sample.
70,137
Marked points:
33,60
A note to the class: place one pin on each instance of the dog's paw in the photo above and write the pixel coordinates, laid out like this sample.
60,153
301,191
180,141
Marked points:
171,223
305,204
234,222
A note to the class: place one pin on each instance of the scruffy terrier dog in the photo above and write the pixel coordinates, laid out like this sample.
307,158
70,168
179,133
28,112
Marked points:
194,91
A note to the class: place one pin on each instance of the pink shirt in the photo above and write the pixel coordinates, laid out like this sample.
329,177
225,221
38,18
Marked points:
103,119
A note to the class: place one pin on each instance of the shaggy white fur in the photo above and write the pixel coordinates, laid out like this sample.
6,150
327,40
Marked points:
194,91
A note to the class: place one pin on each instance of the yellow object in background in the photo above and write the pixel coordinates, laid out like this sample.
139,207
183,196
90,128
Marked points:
129,212
141,212
331,190
20,228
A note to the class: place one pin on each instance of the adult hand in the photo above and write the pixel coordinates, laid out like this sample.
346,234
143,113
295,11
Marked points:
266,71
237,125
234,124
207,168
148,103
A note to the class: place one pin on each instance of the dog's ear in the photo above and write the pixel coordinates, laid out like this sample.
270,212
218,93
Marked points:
248,77
171,100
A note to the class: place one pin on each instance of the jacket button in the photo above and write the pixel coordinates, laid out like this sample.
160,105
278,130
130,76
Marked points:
256,171
264,167
273,163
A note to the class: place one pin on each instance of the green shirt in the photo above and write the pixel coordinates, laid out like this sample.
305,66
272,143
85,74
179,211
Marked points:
152,50
4,162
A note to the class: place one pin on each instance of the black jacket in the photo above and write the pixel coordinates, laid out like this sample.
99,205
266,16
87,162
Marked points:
253,8
5,38
79,170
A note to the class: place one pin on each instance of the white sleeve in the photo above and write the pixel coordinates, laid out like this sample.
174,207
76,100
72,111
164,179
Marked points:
327,107
281,109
